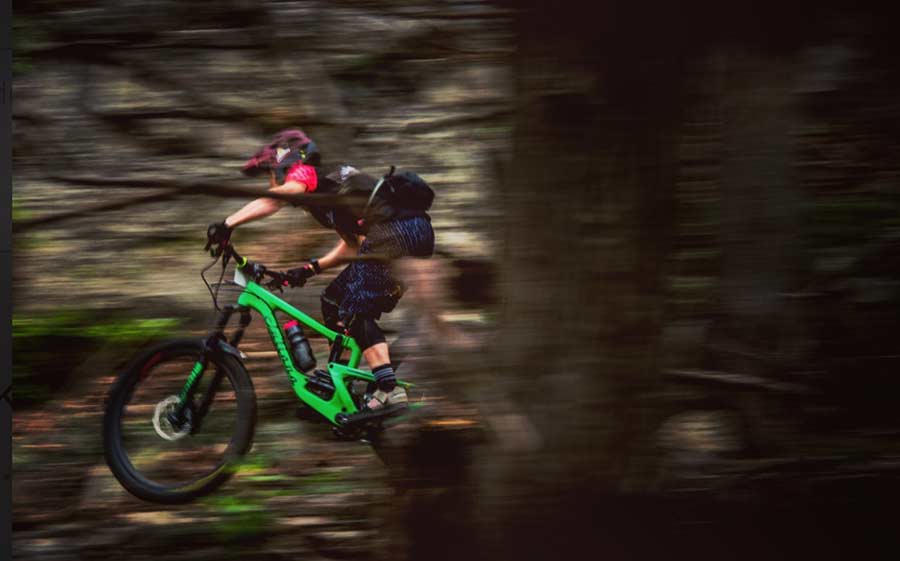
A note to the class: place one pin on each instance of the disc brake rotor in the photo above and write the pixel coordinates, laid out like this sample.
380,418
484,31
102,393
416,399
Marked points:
164,428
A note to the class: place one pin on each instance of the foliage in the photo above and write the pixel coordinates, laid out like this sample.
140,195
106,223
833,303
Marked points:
26,37
81,323
239,517
48,348
19,213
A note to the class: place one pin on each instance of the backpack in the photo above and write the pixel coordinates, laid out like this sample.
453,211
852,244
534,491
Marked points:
405,191
393,196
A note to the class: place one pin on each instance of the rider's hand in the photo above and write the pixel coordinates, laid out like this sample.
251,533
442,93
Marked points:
277,280
298,276
217,234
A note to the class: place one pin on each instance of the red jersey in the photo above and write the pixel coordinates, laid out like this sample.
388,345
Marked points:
302,173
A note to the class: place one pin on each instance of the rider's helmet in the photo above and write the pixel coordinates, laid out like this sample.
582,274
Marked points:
286,149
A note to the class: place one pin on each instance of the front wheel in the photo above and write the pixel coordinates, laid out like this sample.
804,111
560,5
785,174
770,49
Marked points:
161,456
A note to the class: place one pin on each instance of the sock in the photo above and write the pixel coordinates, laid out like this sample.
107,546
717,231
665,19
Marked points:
384,377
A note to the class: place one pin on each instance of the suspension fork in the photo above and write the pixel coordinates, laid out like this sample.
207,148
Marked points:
212,345
217,377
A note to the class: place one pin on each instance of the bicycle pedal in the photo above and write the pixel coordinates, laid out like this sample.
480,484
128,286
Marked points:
380,413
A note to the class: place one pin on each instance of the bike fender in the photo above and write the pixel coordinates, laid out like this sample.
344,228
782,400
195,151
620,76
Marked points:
228,349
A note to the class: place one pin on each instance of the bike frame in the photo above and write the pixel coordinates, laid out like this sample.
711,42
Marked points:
266,303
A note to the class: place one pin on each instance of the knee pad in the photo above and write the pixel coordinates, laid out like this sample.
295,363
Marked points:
366,332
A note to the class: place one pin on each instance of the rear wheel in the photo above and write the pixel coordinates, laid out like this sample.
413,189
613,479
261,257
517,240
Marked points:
160,456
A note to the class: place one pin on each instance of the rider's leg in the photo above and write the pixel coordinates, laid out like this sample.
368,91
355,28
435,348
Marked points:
331,299
379,360
365,331
375,351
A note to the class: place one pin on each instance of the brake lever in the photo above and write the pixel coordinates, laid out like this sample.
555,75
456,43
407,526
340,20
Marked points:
276,279
276,283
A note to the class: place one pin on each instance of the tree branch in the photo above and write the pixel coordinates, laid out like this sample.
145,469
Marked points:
189,189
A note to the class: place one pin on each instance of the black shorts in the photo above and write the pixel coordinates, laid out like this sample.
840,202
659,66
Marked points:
370,288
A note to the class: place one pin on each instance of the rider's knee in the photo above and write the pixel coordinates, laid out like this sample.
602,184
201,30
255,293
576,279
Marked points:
366,332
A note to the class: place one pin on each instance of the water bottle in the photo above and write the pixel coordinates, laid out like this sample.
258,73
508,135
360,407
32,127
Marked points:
301,352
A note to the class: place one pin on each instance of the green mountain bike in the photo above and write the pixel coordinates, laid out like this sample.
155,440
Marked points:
182,415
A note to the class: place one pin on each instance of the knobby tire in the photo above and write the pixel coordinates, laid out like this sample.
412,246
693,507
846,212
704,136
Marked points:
122,391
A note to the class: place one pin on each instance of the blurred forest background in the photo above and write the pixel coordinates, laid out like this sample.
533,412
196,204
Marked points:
666,300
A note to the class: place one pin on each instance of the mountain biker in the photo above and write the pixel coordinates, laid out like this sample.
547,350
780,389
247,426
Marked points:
392,224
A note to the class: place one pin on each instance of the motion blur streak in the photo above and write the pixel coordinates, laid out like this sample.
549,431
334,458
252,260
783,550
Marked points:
661,319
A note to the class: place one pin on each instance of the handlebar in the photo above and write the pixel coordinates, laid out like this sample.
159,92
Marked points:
255,271
230,251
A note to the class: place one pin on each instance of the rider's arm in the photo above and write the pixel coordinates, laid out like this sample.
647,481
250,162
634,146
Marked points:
338,255
265,206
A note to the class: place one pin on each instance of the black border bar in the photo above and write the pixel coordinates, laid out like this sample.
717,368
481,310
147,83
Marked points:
5,278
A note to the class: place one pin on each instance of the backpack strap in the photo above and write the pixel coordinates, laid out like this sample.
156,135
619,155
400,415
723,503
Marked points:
378,187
